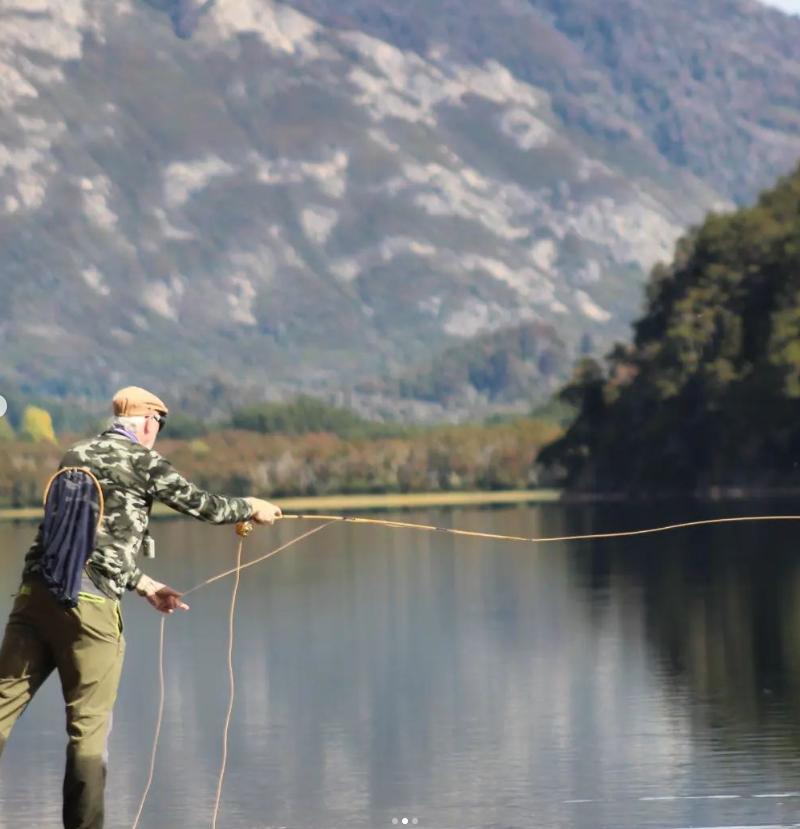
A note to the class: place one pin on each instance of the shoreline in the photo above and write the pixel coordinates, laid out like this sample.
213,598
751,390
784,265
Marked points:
432,500
349,503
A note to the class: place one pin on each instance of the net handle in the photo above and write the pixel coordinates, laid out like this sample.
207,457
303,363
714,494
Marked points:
91,475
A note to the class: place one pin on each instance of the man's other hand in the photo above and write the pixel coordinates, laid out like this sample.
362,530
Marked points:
166,600
162,598
263,511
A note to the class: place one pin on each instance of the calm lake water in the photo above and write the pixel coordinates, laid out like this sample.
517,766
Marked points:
385,674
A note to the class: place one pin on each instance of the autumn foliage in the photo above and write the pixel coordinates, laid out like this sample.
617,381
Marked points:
237,462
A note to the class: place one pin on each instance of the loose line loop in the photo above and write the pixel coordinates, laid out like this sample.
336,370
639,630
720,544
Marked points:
231,682
161,674
159,720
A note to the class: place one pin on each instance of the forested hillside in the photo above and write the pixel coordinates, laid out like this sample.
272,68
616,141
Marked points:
708,392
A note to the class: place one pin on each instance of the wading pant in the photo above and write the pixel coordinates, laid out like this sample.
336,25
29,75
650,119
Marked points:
85,645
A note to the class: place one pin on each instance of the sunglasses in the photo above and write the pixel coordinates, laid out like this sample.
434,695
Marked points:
161,419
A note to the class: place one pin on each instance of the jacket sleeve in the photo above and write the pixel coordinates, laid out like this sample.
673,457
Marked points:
167,485
132,577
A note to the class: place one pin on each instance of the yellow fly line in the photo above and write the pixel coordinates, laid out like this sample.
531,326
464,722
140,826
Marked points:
243,529
585,537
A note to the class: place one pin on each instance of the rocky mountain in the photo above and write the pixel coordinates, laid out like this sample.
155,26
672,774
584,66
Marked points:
712,87
300,198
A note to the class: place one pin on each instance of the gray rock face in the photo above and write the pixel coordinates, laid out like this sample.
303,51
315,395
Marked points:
298,203
710,86
184,14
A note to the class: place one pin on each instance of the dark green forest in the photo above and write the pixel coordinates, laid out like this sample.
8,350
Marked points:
707,394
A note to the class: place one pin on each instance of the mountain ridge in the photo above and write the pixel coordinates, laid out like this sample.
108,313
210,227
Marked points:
294,206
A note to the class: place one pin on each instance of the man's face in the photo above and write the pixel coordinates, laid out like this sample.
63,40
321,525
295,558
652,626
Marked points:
150,431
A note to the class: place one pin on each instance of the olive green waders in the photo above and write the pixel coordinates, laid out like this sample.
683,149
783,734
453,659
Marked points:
86,646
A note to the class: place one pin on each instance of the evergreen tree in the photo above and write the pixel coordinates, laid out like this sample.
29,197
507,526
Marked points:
707,392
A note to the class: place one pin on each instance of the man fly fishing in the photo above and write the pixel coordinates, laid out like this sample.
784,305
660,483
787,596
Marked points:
66,616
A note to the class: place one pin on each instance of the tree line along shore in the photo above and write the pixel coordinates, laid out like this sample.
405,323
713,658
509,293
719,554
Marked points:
497,457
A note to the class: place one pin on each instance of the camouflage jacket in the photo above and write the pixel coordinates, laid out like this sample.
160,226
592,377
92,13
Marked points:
132,477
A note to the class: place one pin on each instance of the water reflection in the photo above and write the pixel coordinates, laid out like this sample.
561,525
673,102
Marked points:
383,673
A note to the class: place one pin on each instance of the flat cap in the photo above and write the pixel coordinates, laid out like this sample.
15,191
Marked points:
133,400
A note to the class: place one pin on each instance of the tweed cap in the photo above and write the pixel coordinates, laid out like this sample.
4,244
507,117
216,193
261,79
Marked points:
133,400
